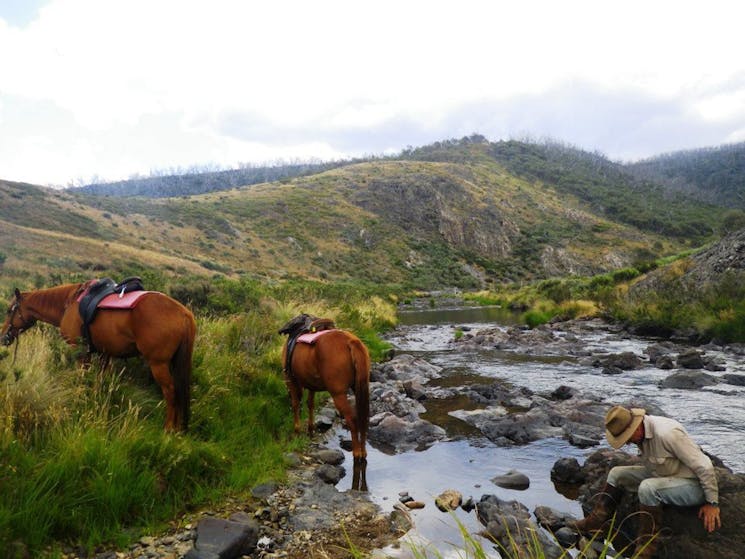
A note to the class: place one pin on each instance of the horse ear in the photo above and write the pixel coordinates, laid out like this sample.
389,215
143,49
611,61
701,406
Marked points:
18,294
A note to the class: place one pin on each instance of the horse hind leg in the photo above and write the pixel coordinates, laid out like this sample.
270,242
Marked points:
162,375
296,395
345,409
311,406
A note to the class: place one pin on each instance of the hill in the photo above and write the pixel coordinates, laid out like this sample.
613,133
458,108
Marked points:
714,174
164,185
461,213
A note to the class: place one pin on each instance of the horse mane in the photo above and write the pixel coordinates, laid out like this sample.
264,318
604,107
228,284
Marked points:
53,297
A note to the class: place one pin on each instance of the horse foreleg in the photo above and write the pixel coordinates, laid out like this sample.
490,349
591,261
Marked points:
345,409
311,405
162,375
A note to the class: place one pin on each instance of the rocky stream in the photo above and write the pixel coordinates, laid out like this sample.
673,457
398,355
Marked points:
475,419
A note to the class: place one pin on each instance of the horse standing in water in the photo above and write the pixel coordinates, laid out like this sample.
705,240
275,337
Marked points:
158,327
331,360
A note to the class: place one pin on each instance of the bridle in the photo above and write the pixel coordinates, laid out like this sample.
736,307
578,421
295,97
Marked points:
13,332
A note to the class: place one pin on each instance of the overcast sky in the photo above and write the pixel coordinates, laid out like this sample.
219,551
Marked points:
116,88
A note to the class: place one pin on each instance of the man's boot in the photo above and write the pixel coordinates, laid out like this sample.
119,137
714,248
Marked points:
606,503
647,536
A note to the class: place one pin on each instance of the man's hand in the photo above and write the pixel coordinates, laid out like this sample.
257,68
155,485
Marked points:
710,515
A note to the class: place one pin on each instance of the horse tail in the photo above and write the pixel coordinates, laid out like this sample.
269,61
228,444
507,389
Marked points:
181,370
361,362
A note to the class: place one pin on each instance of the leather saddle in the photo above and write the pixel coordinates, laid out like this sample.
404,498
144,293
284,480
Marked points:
94,293
302,324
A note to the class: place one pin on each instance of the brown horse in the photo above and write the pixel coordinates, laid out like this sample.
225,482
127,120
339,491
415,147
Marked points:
336,362
159,328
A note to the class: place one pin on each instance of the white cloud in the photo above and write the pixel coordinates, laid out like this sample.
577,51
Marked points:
130,86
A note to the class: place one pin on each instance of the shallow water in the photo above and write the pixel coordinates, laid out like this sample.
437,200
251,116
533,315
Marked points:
714,416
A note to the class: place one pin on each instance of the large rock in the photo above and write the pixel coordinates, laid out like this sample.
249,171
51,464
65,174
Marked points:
395,434
689,380
218,538
509,524
683,532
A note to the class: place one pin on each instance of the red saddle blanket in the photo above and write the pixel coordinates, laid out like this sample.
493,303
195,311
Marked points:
126,301
311,337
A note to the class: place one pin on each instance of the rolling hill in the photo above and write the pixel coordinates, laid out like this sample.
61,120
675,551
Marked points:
715,174
461,213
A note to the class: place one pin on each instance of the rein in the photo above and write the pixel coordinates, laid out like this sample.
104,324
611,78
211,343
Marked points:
15,353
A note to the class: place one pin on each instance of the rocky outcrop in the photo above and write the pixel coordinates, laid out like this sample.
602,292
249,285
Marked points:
683,534
724,261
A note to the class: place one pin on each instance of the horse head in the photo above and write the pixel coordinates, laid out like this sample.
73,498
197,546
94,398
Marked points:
16,320
299,323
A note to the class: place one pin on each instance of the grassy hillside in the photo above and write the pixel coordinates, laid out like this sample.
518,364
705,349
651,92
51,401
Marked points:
465,213
609,189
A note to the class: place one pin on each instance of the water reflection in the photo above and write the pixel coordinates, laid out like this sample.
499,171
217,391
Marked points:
466,315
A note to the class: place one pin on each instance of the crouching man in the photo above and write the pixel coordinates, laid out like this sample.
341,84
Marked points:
675,471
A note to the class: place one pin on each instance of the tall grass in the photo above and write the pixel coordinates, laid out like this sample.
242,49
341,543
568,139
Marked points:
512,546
83,455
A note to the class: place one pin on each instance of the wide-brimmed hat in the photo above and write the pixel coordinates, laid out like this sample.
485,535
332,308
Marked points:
620,424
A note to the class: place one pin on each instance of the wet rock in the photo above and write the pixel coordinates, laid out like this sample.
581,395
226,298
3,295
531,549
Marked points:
448,500
328,456
688,380
736,380
401,518
655,352
330,473
626,360
391,398
323,423
563,393
512,480
509,524
566,537
551,518
414,504
581,441
691,359
665,362
415,390
400,435
405,367
521,428
218,538
567,470
479,418
714,364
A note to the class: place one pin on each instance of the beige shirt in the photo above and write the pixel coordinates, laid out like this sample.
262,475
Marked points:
668,450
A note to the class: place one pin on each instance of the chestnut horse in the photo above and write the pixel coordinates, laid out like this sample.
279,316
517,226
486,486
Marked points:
336,362
159,328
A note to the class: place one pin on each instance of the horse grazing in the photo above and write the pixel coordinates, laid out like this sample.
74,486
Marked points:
331,360
158,327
